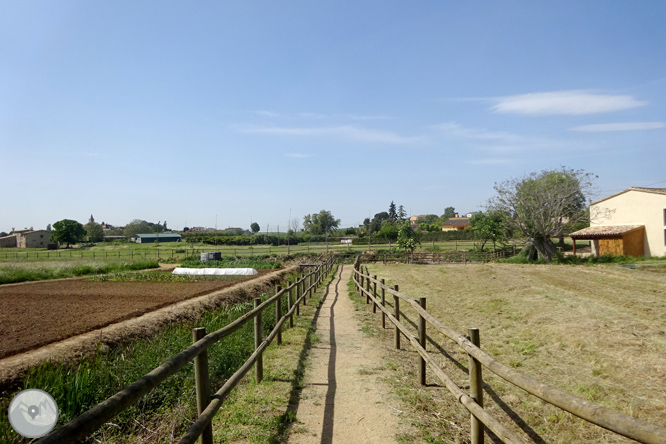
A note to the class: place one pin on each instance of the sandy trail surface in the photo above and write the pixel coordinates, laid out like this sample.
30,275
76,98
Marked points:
345,399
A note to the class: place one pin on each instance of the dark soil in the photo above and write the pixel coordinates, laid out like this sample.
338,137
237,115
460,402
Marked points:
38,313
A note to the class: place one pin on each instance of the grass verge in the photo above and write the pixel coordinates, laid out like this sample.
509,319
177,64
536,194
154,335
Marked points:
14,274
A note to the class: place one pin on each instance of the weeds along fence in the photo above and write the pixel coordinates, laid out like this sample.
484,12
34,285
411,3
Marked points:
375,291
441,257
208,404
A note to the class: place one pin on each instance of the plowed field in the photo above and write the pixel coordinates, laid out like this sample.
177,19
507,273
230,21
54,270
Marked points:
39,313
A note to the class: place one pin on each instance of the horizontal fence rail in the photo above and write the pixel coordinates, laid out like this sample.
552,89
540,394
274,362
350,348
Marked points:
442,257
619,423
93,419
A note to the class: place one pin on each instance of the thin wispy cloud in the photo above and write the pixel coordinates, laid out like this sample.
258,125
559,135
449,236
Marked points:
455,130
346,132
496,141
622,126
298,155
564,103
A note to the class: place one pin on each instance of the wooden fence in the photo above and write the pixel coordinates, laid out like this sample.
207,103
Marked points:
368,286
207,404
442,257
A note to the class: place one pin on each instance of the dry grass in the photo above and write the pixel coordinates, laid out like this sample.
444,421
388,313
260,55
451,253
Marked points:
595,332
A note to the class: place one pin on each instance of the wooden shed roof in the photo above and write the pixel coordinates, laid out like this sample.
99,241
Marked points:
604,231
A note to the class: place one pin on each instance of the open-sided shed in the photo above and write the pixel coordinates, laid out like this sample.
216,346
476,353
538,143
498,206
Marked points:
616,240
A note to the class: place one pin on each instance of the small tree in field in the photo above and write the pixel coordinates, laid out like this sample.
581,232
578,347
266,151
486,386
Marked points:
544,205
407,238
255,228
488,227
68,231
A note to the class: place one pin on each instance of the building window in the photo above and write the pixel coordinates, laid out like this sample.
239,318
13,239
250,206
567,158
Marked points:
41,235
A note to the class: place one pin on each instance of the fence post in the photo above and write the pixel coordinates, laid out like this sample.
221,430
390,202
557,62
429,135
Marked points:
422,341
202,384
476,387
299,292
367,289
278,314
396,313
361,283
383,303
259,365
374,294
290,302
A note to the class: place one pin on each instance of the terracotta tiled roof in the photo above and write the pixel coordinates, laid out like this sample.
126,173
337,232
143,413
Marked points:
457,221
604,231
644,190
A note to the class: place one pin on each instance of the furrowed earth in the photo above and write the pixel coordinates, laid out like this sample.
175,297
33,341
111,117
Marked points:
38,313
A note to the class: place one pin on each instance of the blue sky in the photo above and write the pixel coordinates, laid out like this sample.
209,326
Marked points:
243,111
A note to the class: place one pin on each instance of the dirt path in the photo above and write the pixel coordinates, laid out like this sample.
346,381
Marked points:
344,399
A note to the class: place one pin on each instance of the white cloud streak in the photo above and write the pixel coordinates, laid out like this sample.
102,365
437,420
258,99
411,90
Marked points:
496,141
346,132
564,103
622,126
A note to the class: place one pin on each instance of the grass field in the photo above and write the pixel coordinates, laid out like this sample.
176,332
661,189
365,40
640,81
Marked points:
595,332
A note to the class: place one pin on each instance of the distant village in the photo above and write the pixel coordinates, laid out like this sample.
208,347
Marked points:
31,238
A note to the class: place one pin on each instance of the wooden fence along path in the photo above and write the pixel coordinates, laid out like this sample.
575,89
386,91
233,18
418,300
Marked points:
207,404
442,257
368,286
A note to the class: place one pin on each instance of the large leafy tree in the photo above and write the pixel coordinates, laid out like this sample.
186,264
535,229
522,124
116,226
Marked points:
255,227
544,205
138,226
94,232
449,212
68,231
377,220
320,223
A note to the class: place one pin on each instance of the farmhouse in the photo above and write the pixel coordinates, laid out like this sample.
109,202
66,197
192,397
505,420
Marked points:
155,237
27,239
10,241
34,239
456,224
630,223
